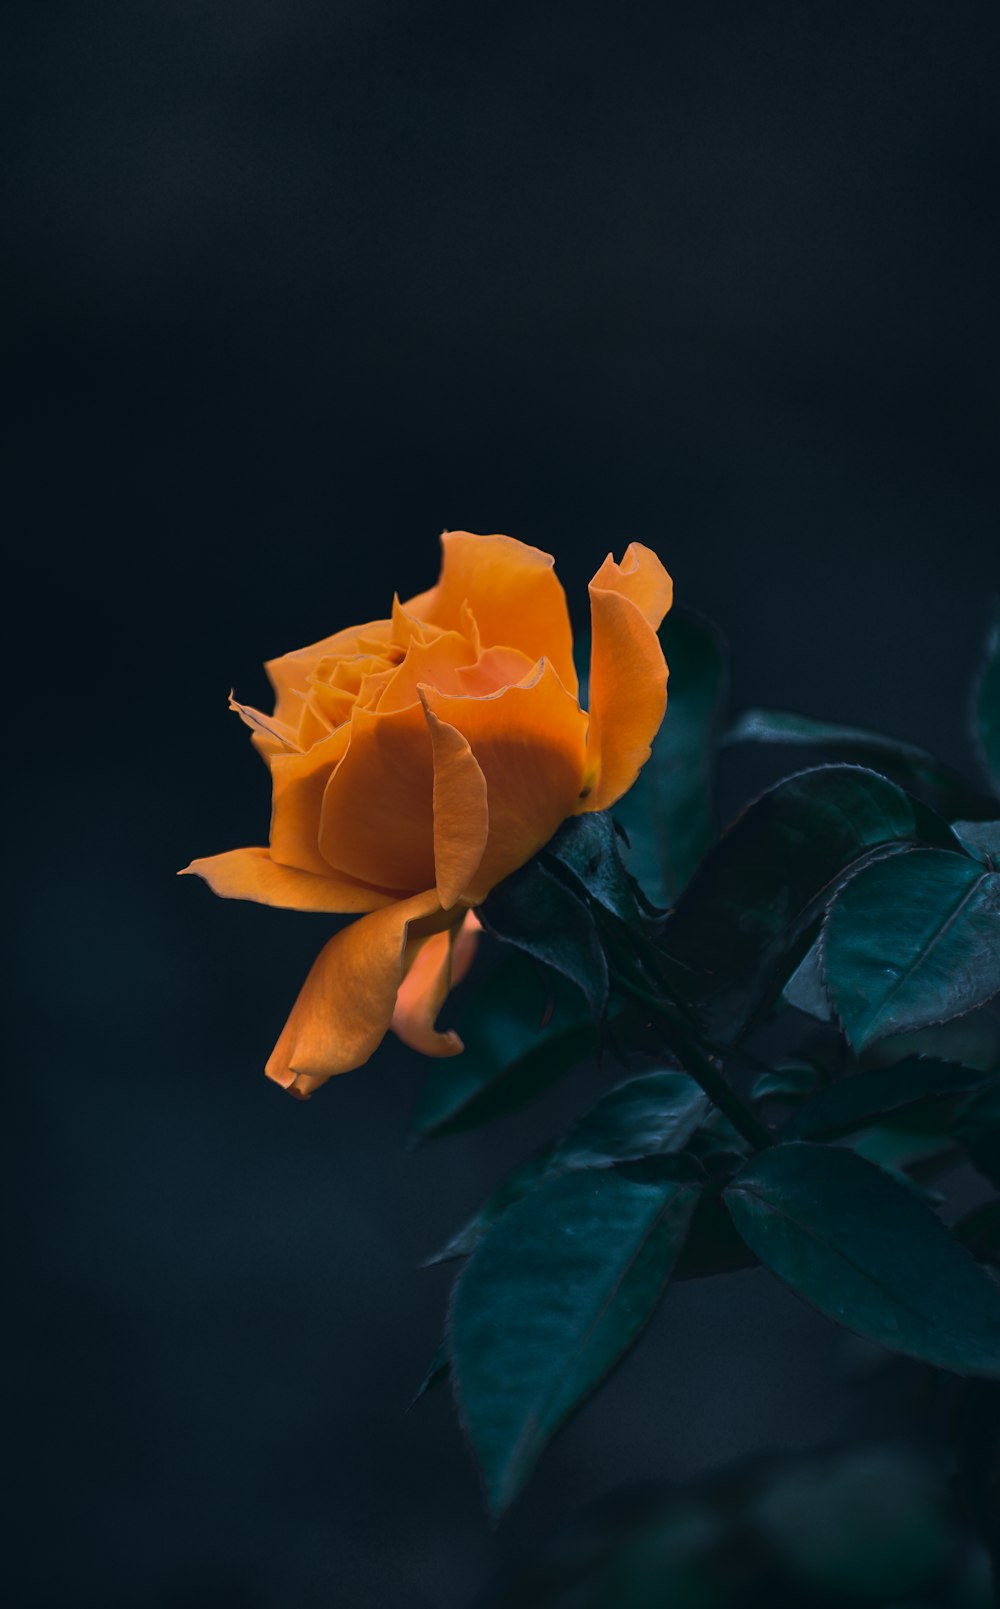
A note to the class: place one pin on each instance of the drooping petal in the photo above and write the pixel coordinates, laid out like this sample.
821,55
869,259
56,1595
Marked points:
346,1003
252,874
298,782
461,810
377,821
513,592
628,674
529,740
439,963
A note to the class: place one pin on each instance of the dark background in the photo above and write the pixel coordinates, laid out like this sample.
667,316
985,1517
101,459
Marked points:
296,285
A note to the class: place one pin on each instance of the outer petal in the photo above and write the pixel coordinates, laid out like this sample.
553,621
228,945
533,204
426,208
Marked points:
513,592
298,782
461,811
439,963
529,740
628,674
347,1001
377,823
252,874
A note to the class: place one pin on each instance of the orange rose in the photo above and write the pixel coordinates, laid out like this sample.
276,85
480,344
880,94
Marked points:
417,761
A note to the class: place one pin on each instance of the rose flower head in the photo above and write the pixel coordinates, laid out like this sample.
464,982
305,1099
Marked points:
417,761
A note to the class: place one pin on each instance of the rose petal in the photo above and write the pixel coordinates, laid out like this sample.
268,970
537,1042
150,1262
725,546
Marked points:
252,874
439,963
298,782
347,1001
377,821
461,810
513,592
289,673
529,741
628,674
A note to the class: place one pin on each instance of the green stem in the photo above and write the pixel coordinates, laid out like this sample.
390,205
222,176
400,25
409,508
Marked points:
700,1064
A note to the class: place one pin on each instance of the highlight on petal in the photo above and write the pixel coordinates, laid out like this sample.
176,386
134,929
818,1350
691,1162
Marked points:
628,674
512,590
346,1003
529,740
437,965
252,874
461,809
377,821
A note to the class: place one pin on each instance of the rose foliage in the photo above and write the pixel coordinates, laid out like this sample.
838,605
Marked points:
795,1018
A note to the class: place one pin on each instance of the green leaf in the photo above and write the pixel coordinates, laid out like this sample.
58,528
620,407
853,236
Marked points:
790,1081
669,814
986,707
980,838
862,1249
912,767
806,990
538,913
980,1231
510,1054
911,1087
977,1128
510,1190
654,1114
586,853
436,1375
549,1301
911,941
743,920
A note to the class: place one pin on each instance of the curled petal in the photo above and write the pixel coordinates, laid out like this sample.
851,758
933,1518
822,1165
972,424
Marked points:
529,741
289,673
461,810
377,822
513,592
347,1001
252,874
628,674
439,963
298,782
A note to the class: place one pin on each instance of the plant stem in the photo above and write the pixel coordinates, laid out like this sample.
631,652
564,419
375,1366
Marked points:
700,1064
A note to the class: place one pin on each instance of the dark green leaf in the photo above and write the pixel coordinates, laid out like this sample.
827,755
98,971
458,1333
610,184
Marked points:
791,1081
669,814
980,1231
912,767
511,1189
549,1301
855,1103
652,1115
986,708
745,916
858,1246
806,990
586,853
536,912
912,940
977,1128
980,838
436,1375
509,1055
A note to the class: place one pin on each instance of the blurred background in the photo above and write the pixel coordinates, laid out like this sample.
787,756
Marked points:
293,286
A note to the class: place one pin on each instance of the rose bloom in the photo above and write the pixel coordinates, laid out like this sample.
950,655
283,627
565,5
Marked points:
416,761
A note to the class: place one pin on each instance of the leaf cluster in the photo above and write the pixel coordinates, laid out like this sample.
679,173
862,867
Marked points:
802,1005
